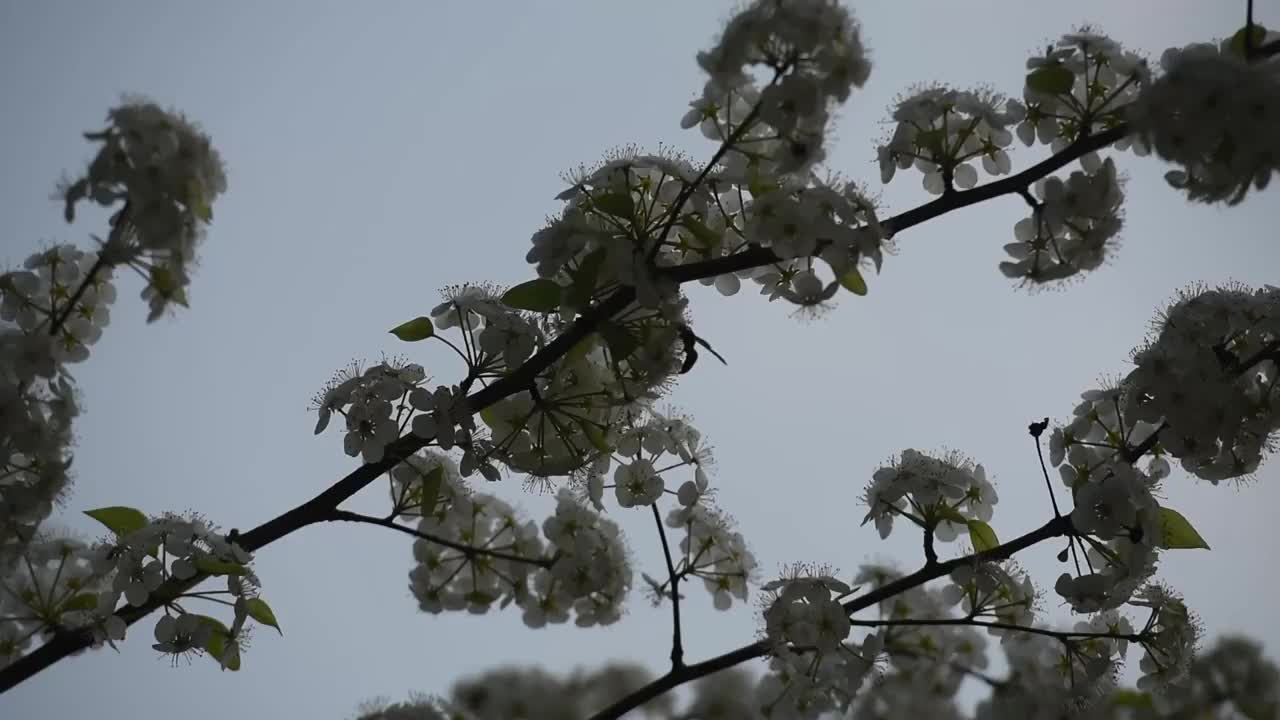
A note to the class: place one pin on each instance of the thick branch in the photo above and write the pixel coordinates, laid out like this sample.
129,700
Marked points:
317,508
1054,528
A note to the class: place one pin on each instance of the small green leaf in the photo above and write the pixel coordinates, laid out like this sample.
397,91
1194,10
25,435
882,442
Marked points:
196,201
541,295
220,645
431,489
596,436
419,328
1178,533
1132,698
1051,79
946,512
700,232
211,566
259,610
616,204
585,278
1238,40
854,282
620,340
982,536
118,519
480,598
83,601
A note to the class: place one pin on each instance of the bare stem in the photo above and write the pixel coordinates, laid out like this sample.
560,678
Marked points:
677,646
467,550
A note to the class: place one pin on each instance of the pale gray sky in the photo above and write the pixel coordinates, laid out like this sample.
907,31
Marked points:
379,151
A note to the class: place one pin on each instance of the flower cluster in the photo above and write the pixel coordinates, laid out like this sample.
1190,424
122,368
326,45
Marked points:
1209,376
454,576
496,337
591,572
1213,112
937,493
816,666
814,53
54,587
1000,592
1080,86
168,175
381,402
528,693
940,130
1072,228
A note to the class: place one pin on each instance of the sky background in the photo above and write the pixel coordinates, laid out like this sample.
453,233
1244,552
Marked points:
377,152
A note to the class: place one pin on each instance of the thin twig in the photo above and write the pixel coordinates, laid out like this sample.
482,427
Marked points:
677,646
466,550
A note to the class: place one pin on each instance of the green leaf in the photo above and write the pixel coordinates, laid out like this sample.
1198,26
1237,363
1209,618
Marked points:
431,489
1051,79
854,282
1125,697
700,232
596,436
585,279
946,512
83,601
616,204
419,328
220,645
259,610
982,536
1178,533
620,340
119,519
196,202
541,295
211,566
1238,40
480,598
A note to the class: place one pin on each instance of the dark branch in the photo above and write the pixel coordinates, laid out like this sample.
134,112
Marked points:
317,508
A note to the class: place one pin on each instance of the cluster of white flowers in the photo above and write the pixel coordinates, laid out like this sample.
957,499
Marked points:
63,584
939,493
1114,500
591,572
53,587
1170,637
940,130
814,53
1072,228
1209,376
1214,113
381,402
528,693
40,296
999,592
499,338
449,578
168,174
56,307
1082,85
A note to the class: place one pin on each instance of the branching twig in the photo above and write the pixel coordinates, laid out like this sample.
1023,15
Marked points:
677,646
317,508
1054,528
466,550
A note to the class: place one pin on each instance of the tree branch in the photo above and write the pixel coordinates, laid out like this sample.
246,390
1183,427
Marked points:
677,647
466,550
64,643
1054,528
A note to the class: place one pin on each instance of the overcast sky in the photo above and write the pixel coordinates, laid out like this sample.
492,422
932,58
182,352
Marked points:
379,151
